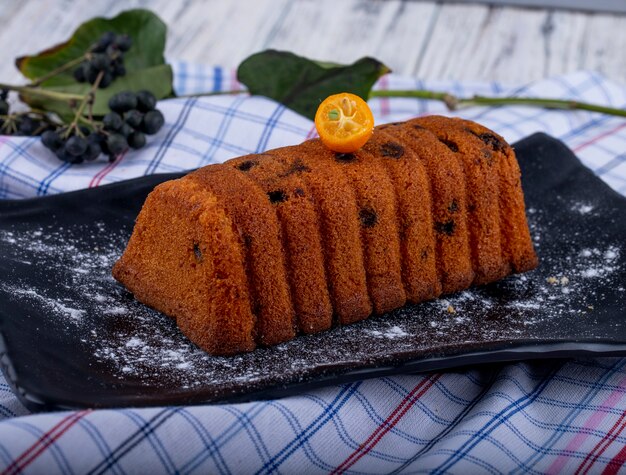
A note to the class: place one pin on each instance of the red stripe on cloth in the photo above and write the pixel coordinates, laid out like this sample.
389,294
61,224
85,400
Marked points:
234,83
97,179
599,137
616,463
312,133
601,446
47,439
384,101
393,418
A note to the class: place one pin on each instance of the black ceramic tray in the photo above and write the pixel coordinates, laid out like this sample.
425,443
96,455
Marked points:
72,337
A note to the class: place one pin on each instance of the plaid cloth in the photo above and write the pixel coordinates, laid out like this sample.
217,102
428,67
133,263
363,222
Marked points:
559,416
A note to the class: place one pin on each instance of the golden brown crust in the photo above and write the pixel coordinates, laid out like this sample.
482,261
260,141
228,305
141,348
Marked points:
483,206
192,269
298,217
255,218
340,231
377,218
447,182
415,222
517,243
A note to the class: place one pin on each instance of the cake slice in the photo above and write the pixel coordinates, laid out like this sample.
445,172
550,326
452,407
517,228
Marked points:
449,210
377,219
186,259
302,243
414,208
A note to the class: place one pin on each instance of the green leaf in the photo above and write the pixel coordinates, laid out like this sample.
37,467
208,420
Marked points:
157,79
146,29
302,84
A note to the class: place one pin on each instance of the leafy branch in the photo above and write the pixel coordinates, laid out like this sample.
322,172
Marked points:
301,84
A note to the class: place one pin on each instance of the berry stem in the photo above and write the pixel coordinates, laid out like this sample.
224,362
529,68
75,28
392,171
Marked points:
59,70
88,121
86,99
35,91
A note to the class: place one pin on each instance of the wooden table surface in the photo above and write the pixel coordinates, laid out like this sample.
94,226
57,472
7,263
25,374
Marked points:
421,39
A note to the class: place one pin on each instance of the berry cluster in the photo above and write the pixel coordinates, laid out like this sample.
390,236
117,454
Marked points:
132,117
105,59
19,124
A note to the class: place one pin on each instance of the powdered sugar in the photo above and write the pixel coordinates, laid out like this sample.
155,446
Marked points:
582,208
51,304
390,333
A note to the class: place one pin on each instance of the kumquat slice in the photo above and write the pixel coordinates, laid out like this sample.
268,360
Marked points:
344,122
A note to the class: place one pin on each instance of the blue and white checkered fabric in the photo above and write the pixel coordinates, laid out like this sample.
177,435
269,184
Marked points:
560,416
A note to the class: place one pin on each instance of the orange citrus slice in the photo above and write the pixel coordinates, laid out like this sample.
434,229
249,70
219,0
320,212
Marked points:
344,122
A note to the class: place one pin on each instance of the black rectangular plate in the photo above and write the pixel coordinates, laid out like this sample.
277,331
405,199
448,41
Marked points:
72,337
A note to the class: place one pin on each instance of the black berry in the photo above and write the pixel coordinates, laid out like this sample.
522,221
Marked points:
344,157
123,42
52,140
96,138
133,118
107,79
116,144
112,121
93,151
119,70
247,165
76,145
446,227
136,140
450,144
28,125
368,217
79,74
146,101
100,61
91,73
126,130
277,196
392,149
63,155
103,43
123,101
152,122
